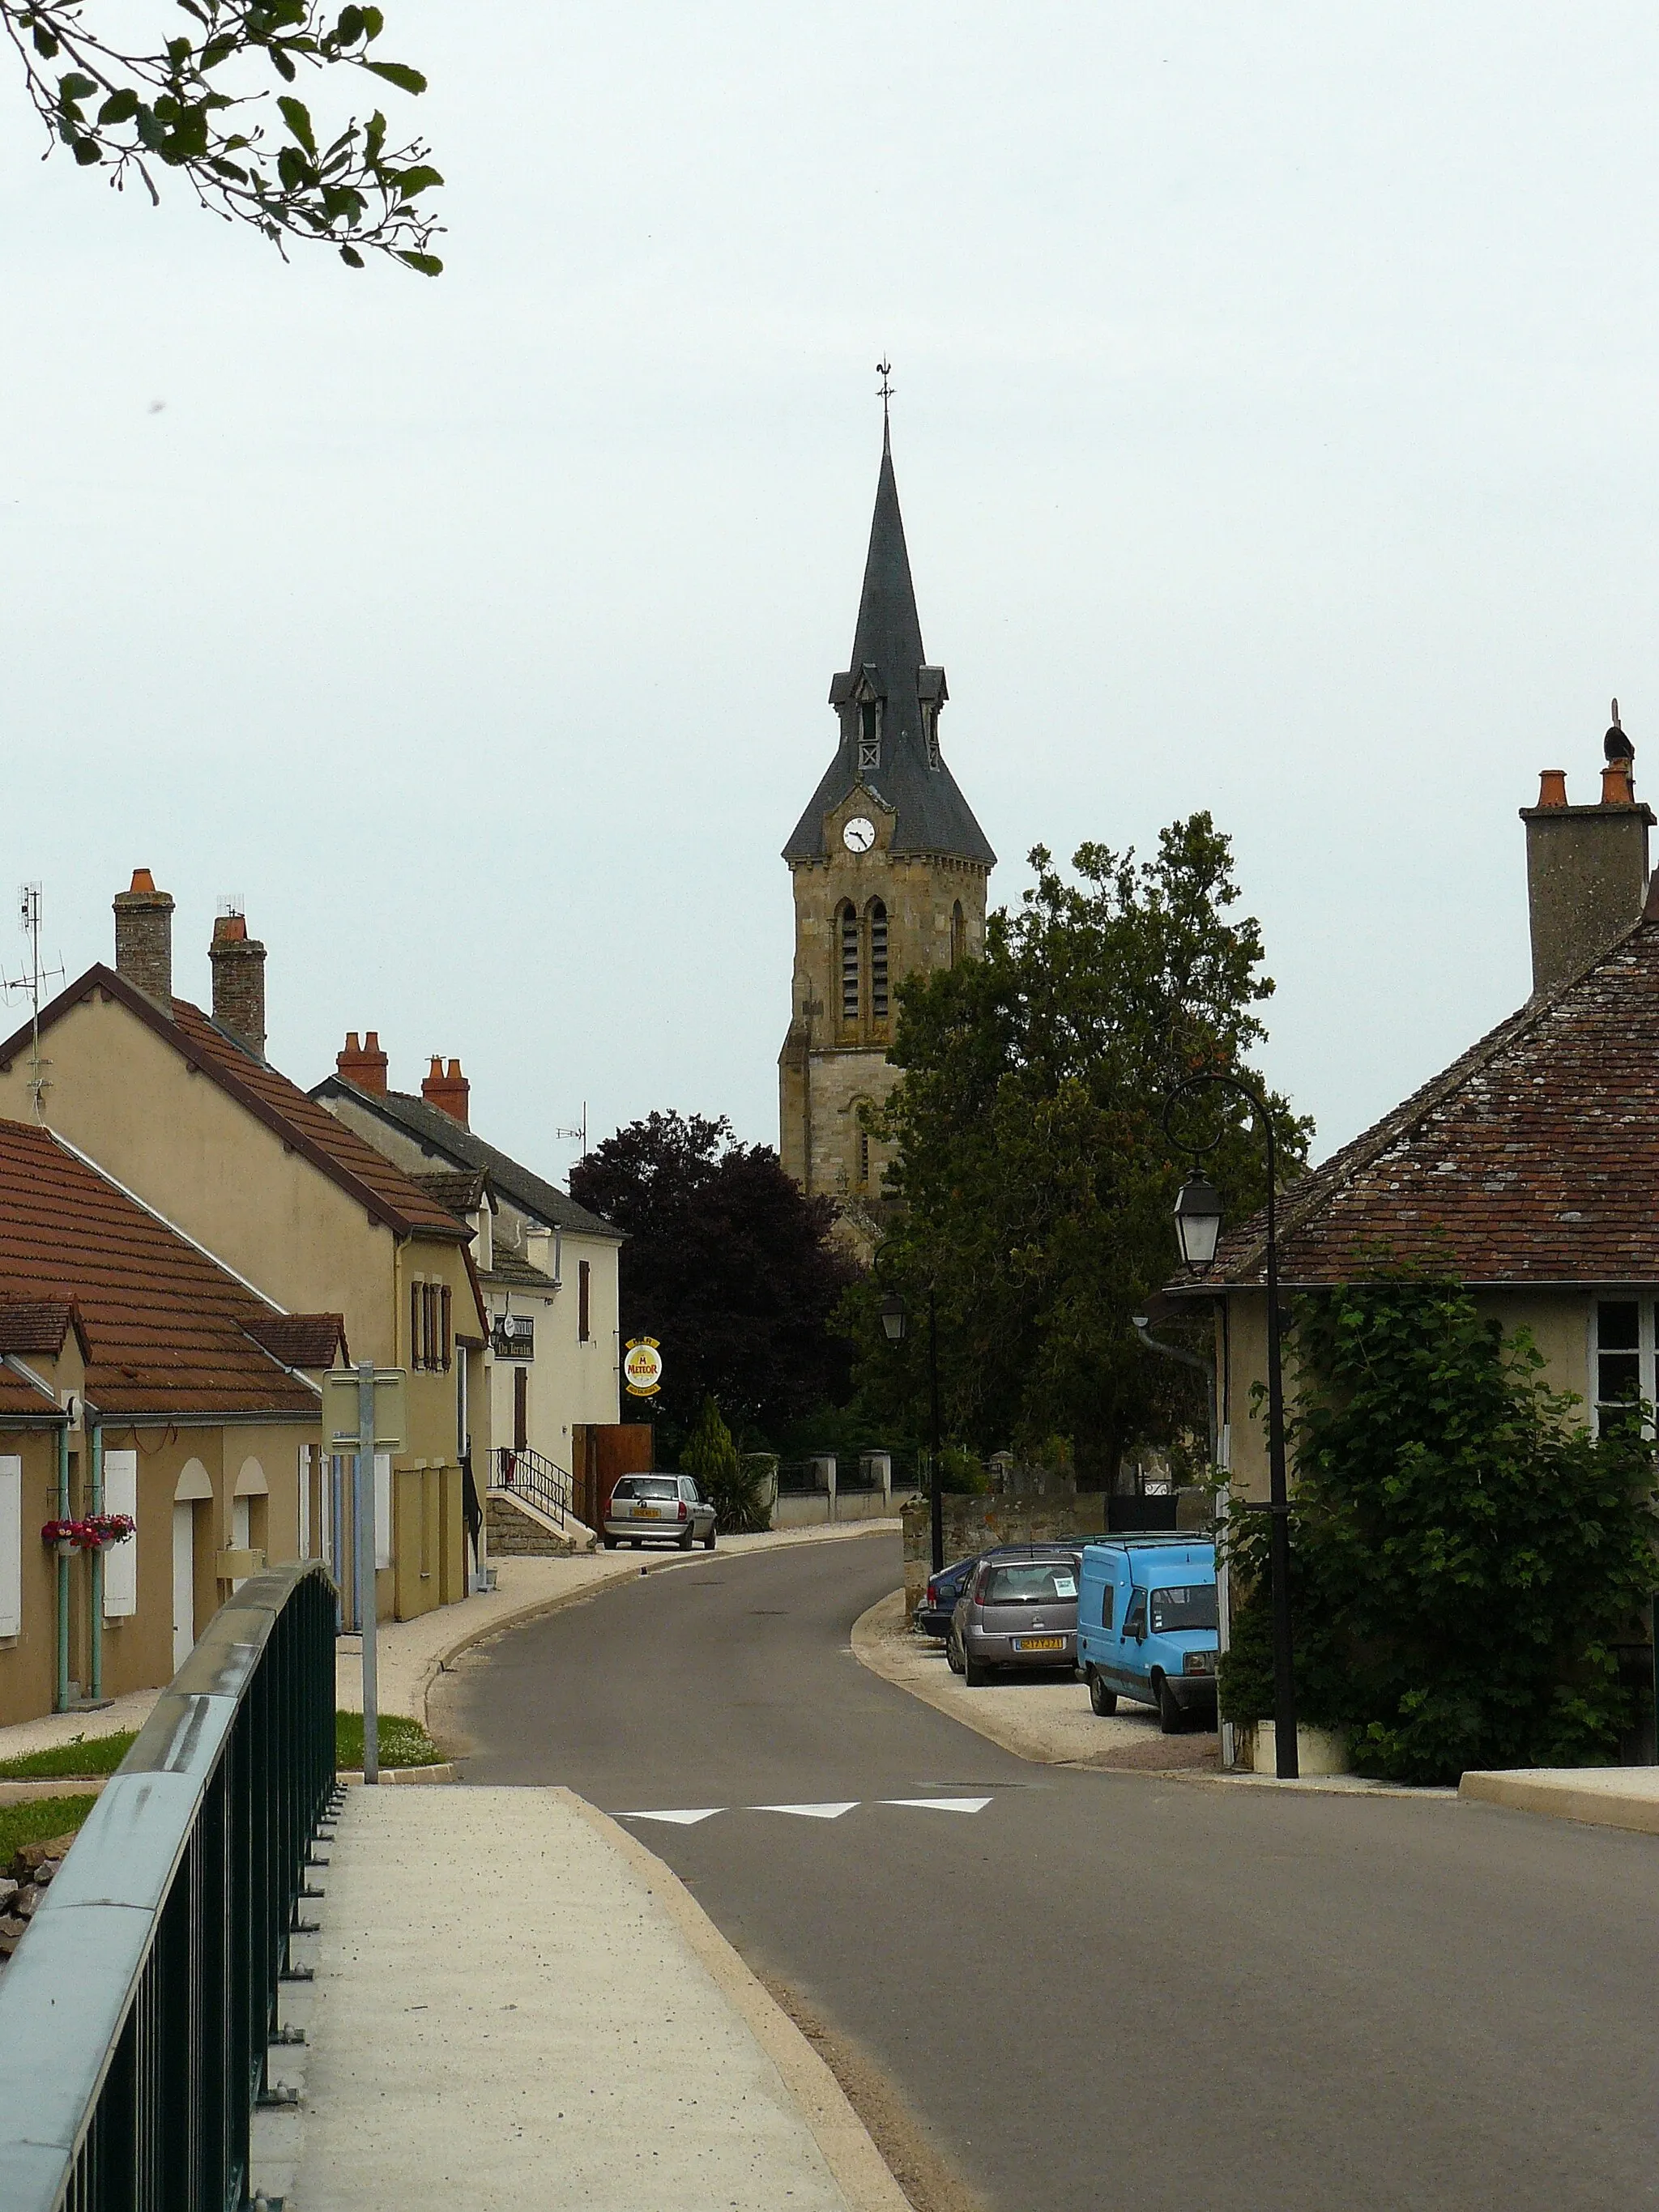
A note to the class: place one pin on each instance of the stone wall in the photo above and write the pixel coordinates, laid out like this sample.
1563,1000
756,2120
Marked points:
974,1524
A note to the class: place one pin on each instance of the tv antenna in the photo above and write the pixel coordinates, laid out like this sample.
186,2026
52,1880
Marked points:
28,916
579,1134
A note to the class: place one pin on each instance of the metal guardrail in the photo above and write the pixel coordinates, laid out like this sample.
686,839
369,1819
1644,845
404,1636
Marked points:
137,2012
531,1475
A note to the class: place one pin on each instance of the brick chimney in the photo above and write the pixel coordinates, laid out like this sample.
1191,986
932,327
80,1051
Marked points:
363,1064
239,982
143,939
1586,867
449,1093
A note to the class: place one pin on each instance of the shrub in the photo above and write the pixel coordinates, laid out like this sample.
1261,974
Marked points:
738,1487
1466,1554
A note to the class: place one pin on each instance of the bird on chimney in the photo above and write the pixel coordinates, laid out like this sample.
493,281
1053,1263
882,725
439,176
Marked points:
1616,746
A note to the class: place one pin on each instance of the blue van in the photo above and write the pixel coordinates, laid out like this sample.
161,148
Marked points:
1146,1626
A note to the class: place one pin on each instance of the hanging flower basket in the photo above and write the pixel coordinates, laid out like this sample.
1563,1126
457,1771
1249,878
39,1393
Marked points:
97,1532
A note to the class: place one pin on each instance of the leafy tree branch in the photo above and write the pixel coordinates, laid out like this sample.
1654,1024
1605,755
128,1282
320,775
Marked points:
196,103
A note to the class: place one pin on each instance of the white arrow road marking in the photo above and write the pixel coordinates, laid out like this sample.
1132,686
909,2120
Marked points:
811,1812
942,1804
685,1819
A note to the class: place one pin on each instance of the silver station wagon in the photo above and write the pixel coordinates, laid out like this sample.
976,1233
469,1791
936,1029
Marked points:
1014,1615
659,1508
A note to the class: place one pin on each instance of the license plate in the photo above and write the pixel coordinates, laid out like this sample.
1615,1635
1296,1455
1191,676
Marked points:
1039,1644
646,1513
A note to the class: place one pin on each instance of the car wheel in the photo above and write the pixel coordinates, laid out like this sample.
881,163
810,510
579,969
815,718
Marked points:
973,1675
685,1541
708,1542
1101,1700
952,1656
610,1543
637,1541
1171,1718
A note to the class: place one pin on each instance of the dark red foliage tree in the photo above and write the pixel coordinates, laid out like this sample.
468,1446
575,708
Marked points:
727,1266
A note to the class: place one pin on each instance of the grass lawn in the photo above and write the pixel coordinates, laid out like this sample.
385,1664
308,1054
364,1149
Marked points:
45,1816
403,1743
76,1761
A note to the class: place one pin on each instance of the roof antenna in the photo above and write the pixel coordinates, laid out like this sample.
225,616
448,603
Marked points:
29,983
884,370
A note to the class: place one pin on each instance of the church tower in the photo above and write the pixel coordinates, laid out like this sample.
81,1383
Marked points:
888,868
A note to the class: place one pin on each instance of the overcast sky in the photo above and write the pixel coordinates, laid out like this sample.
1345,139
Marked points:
1274,424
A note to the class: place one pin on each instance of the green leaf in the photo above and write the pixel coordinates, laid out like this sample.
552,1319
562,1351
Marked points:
411,181
120,107
293,169
398,73
427,263
45,43
374,21
351,258
151,132
85,152
75,86
349,28
281,64
297,116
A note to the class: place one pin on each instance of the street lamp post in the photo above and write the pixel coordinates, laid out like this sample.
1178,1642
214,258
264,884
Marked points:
1197,1232
892,1321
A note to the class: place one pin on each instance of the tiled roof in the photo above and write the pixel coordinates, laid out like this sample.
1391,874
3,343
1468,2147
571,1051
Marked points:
506,1267
35,1324
384,1189
461,1190
19,1395
451,1140
1535,1158
300,1340
168,1331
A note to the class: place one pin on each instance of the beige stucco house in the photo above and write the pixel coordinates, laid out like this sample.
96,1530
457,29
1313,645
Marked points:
548,1267
183,1109
1529,1169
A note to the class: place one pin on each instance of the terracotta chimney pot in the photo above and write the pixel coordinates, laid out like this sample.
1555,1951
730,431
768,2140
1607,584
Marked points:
1551,786
239,982
1615,785
363,1064
143,939
449,1091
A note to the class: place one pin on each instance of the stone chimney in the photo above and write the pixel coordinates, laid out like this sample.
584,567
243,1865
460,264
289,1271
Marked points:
239,982
1586,869
363,1064
449,1093
143,939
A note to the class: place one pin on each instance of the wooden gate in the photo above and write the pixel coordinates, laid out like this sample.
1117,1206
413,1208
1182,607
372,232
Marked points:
602,1452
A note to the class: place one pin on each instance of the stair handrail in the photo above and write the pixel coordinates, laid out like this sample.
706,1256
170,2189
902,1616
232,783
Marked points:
521,1467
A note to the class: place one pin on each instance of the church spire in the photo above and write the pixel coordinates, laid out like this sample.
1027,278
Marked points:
887,635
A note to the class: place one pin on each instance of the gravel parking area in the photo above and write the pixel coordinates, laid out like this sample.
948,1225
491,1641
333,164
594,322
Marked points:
1046,1720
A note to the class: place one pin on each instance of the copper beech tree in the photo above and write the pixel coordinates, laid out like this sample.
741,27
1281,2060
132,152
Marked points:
195,97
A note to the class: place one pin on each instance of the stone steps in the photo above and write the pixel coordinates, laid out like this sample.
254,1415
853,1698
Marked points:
513,1534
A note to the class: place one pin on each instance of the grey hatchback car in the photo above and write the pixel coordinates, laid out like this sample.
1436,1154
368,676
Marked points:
659,1508
1017,1612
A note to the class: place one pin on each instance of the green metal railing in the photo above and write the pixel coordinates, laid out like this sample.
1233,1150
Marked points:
137,2014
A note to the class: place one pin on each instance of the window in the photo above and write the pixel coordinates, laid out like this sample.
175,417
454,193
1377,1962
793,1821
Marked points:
863,1157
1107,1595
584,1315
1191,1606
121,1560
431,1343
870,735
930,732
11,1543
879,960
1624,1363
1051,1585
958,935
849,965
1134,1620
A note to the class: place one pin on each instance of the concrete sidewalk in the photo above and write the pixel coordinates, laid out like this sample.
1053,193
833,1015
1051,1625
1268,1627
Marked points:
1603,1797
516,2005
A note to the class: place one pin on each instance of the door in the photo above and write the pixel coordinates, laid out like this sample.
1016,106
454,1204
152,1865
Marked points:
521,1408
184,1583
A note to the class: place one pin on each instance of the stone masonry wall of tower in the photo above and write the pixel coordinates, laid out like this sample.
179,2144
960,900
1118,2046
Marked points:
902,890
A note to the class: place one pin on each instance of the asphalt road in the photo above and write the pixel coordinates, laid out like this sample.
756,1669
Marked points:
1106,1990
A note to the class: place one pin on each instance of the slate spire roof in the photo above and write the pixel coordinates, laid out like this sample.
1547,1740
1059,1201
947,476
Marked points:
890,666
1532,1159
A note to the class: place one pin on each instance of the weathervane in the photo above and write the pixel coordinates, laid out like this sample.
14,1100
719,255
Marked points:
884,370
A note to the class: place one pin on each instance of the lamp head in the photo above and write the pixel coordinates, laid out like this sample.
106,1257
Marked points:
892,1316
1197,1221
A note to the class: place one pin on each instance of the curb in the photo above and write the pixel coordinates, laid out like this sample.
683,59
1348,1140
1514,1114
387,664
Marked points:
444,1771
856,2166
20,1791
539,1609
1530,1792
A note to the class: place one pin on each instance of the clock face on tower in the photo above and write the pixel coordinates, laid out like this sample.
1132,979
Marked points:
860,834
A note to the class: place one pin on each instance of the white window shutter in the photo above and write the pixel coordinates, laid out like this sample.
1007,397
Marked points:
305,1501
11,1544
121,1560
383,1508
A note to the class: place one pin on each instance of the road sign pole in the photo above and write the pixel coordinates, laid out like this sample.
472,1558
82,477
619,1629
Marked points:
366,1548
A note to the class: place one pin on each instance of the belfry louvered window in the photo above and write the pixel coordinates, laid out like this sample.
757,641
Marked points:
958,935
870,733
879,960
849,965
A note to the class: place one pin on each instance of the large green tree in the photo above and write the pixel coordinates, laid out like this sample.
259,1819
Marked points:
189,96
1468,1555
1035,1177
727,1266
